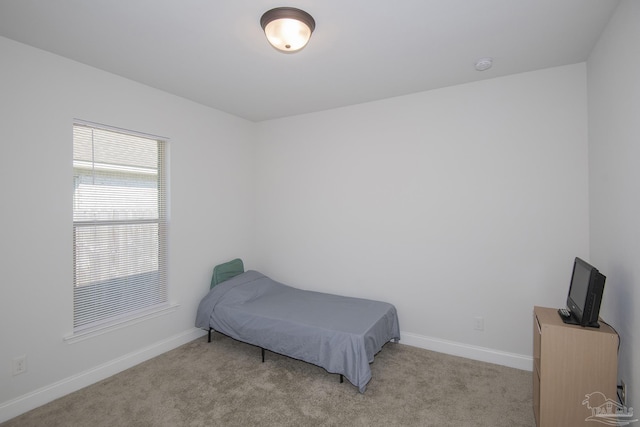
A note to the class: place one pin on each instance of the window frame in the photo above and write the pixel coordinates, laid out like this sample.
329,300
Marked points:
138,313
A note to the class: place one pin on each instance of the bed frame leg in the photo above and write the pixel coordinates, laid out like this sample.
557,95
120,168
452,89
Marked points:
210,329
341,378
262,354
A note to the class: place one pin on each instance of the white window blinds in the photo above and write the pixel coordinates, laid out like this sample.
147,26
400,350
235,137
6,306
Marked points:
119,225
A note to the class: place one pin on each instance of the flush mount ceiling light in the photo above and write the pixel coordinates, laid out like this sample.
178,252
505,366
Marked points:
288,29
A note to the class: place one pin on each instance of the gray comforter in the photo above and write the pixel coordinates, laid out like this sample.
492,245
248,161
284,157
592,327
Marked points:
340,334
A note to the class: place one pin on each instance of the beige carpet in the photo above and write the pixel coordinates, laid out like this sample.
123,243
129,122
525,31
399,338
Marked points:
224,383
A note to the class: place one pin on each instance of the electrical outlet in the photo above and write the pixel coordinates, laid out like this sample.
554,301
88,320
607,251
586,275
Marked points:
19,365
479,324
623,393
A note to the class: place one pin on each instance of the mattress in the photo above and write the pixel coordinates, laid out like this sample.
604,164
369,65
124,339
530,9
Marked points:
341,334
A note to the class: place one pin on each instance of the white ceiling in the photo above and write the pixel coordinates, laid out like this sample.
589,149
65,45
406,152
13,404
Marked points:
214,52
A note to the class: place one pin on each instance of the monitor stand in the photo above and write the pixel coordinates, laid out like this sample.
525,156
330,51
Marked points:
572,321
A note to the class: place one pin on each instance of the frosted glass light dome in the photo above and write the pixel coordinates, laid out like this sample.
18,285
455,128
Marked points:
287,29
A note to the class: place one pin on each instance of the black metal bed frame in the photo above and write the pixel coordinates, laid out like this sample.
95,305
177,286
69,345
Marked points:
262,351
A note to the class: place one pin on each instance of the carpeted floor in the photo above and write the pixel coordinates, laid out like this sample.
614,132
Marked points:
224,383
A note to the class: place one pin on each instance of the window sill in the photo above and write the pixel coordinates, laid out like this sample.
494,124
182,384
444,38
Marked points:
116,324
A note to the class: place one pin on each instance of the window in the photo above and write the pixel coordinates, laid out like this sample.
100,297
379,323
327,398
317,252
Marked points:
119,225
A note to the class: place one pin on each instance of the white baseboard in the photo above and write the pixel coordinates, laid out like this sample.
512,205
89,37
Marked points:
29,401
512,360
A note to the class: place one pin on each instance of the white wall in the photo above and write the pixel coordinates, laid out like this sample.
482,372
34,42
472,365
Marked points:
211,187
455,203
614,174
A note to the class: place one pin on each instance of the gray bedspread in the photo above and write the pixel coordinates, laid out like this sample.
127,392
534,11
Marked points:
340,334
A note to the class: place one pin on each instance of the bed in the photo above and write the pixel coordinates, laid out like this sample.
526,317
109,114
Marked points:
340,334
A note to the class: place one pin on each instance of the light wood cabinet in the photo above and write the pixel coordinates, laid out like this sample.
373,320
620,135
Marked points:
569,363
